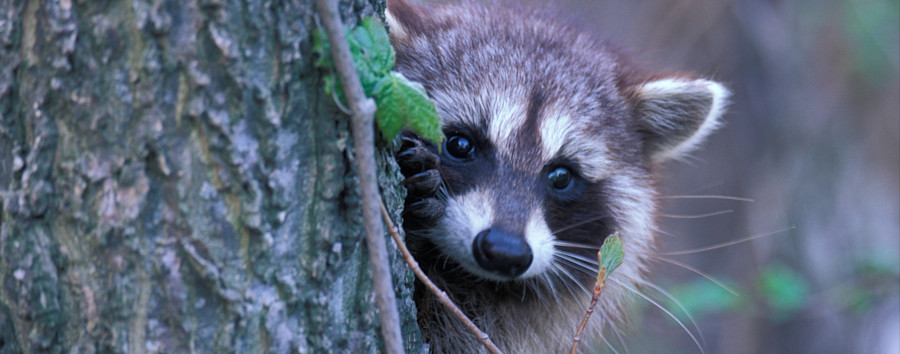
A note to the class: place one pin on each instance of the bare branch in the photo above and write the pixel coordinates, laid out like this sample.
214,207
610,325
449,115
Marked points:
363,109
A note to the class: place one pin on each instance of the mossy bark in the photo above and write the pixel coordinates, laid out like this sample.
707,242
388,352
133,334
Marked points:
173,179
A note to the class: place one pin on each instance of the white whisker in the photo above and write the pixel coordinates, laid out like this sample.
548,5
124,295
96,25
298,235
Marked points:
558,269
608,344
584,259
699,272
680,306
551,284
710,196
581,264
662,232
615,329
577,224
726,244
663,309
575,245
697,216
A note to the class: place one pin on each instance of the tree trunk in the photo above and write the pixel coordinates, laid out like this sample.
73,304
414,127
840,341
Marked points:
173,179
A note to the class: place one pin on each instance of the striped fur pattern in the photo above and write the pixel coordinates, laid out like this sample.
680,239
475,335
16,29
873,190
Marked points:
532,96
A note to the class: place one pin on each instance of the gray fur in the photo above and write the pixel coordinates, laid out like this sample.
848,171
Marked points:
539,95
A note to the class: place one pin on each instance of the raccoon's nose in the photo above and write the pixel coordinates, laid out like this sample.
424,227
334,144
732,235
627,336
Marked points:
501,253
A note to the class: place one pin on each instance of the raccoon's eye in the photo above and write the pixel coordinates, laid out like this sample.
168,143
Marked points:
459,147
560,178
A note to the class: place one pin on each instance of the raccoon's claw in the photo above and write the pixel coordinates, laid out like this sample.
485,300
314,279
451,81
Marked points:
423,213
415,155
423,184
407,141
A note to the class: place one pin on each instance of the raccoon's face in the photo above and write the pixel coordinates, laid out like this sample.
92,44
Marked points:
521,212
550,141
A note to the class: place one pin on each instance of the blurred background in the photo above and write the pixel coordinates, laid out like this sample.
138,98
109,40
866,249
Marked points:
810,157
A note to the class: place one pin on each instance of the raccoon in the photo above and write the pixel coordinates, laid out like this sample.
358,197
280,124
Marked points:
551,143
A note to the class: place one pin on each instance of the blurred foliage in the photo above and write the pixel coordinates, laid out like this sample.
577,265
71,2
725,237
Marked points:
702,297
867,24
782,292
785,291
875,278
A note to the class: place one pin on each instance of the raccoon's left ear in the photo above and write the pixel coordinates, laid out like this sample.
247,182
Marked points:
404,20
678,114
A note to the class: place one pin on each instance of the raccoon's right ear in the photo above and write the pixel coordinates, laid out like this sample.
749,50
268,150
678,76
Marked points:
677,114
404,19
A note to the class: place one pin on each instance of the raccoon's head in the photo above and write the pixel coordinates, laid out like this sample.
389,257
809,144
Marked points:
551,139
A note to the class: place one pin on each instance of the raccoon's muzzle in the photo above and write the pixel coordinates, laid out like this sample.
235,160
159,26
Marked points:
501,253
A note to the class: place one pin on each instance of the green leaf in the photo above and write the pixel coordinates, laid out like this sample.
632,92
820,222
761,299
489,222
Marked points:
372,53
376,45
403,103
331,85
611,254
322,49
785,290
702,297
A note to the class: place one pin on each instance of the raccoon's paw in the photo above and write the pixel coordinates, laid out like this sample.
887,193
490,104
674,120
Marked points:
419,164
423,184
422,214
416,155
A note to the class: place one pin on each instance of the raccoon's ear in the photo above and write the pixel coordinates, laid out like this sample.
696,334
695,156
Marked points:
403,19
678,114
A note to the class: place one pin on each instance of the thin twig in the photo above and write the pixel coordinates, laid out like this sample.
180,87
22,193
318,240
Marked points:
363,109
595,298
609,257
441,295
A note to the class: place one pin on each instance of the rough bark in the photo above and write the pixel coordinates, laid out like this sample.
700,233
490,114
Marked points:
173,179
